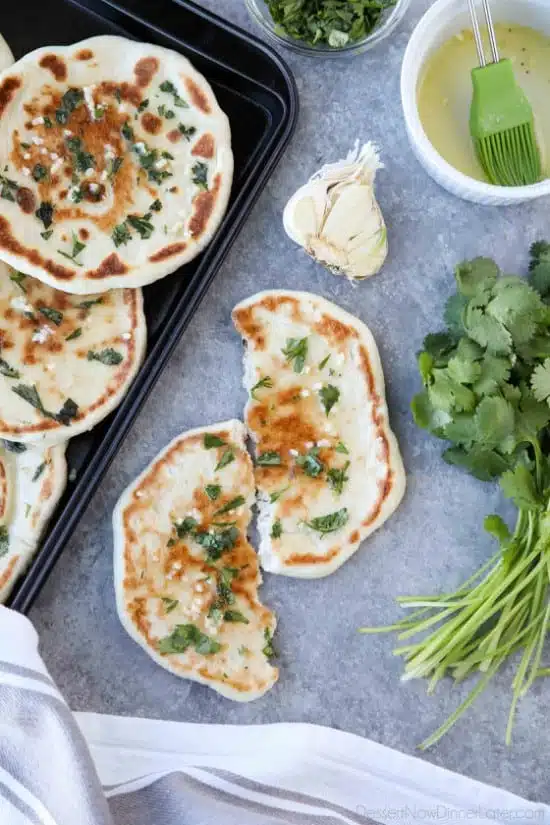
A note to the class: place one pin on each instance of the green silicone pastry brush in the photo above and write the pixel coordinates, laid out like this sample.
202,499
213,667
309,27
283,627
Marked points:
502,124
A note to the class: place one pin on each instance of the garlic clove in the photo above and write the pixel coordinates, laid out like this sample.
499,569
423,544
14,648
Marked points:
336,218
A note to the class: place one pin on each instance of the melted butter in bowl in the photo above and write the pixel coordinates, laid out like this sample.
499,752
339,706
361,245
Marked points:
445,91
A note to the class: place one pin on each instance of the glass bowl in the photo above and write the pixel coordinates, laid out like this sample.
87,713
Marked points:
389,19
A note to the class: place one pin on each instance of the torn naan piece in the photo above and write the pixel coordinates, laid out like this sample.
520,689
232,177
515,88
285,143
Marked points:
65,361
31,483
116,164
328,467
186,577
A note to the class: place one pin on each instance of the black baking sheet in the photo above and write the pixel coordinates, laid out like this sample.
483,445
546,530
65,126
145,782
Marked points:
256,90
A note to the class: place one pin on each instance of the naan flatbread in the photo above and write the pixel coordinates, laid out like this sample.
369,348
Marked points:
65,361
31,483
328,467
186,577
119,164
6,57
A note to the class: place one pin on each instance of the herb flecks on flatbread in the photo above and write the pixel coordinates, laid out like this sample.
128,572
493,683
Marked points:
115,172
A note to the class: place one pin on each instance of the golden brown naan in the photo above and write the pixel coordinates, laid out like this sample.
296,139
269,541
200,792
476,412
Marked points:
65,361
116,164
328,467
186,577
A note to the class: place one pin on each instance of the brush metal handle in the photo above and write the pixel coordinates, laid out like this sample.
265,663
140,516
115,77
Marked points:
477,32
491,30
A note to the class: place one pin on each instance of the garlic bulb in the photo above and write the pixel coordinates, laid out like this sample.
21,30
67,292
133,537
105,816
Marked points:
336,218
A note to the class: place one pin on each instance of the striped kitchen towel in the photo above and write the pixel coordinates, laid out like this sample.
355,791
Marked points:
106,770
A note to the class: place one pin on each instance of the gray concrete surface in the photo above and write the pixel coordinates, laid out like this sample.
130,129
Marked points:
329,674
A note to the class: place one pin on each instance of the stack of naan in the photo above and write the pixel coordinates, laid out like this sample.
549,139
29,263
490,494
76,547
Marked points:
327,473
116,169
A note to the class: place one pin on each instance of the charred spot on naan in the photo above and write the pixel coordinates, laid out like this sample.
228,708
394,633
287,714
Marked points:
168,252
8,572
204,147
203,206
54,64
198,97
84,54
3,489
8,90
335,331
151,123
25,200
111,265
145,69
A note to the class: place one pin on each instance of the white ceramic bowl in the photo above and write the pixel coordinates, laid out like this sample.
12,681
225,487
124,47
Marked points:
443,20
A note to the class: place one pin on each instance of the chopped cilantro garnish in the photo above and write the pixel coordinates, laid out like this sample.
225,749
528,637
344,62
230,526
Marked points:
7,371
265,382
47,234
200,175
39,470
156,206
143,105
231,505
295,351
53,315
188,635
121,234
341,448
275,496
211,441
69,102
213,491
19,278
169,604
337,478
268,649
187,131
269,459
227,457
324,362
142,225
127,131
235,616
329,396
109,356
217,543
4,540
89,303
310,463
39,172
329,523
168,86
44,213
76,333
277,529
78,247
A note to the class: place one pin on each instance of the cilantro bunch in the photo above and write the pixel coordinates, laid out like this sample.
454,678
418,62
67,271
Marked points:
333,22
487,392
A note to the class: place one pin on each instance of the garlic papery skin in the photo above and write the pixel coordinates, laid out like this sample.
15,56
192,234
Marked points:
335,216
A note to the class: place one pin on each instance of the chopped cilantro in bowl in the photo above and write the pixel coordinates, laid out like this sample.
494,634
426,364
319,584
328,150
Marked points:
328,27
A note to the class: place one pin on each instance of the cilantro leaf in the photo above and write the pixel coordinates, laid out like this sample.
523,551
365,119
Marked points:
482,463
487,331
540,381
475,277
495,421
519,485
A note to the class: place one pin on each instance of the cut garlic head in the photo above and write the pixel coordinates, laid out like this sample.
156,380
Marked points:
336,218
